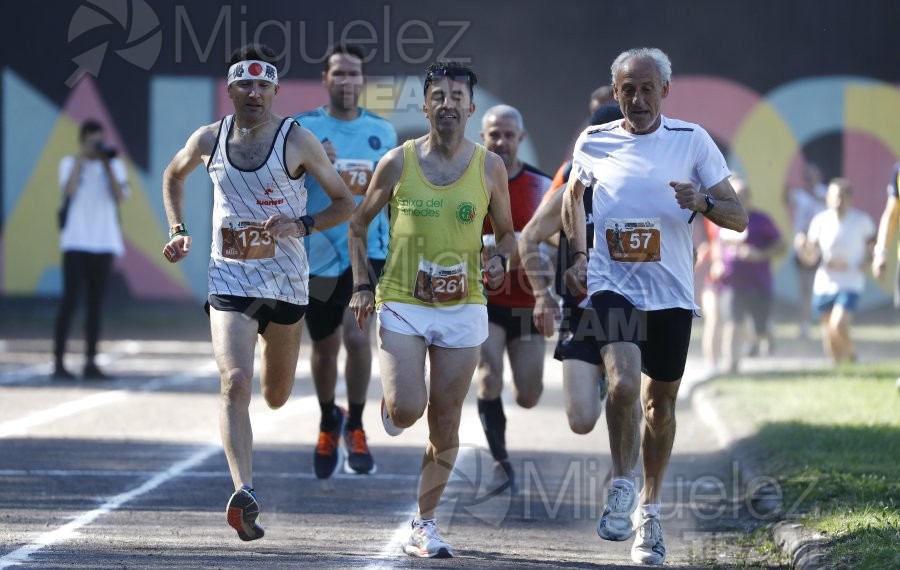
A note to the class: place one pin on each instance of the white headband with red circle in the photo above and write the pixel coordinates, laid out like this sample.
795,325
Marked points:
252,69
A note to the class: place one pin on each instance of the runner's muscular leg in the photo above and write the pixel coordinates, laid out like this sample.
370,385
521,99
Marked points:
234,343
526,358
280,347
581,390
358,370
323,364
490,363
402,361
623,369
451,376
659,433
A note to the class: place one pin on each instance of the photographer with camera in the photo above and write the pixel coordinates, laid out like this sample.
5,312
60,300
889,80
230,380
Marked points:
92,184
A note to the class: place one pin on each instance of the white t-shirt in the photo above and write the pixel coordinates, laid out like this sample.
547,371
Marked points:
844,239
643,246
92,224
805,206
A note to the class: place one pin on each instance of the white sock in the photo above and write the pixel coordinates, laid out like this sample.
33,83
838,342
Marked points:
422,522
651,510
621,481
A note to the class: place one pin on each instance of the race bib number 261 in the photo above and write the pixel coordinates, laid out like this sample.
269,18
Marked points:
441,284
633,240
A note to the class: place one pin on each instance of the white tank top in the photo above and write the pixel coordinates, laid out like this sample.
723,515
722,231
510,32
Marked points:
246,261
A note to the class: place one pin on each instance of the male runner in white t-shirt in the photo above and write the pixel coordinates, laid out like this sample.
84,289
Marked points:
645,172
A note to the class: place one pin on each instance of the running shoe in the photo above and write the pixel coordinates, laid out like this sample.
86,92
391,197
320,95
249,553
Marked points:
242,513
91,372
621,500
329,454
359,458
648,547
60,373
389,426
504,477
426,542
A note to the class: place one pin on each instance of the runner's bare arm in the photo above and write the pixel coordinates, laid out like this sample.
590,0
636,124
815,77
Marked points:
197,149
574,225
304,151
546,222
381,188
887,228
501,218
728,211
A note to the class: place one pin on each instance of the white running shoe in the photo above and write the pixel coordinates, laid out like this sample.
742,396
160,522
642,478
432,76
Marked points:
648,547
389,426
426,542
621,501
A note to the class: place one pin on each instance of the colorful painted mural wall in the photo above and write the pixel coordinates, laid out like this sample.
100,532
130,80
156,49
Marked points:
759,108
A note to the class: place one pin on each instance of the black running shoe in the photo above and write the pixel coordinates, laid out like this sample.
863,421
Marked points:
91,372
359,458
329,453
504,477
242,513
60,373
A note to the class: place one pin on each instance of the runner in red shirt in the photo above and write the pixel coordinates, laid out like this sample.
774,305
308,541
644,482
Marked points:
511,306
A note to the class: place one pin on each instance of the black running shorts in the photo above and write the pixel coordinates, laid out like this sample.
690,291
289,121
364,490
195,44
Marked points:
265,311
663,335
329,296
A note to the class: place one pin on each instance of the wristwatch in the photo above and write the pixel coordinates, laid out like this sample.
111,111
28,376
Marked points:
309,224
710,204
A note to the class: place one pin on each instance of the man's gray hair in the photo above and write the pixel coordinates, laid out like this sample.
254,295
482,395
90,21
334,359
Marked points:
659,57
501,111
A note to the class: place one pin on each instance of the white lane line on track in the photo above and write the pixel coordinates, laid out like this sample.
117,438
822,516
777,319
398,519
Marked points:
21,426
195,474
70,530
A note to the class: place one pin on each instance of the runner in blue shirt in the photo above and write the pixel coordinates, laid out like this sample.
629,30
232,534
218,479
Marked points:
355,139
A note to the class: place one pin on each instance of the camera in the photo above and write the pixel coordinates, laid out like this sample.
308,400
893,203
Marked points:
105,150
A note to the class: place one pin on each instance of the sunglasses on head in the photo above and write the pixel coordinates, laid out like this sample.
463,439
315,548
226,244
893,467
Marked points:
454,73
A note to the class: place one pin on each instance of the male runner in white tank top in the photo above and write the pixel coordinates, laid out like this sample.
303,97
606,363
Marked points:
258,273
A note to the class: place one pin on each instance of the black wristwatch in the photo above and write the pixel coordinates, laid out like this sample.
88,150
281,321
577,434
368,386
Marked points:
710,204
309,224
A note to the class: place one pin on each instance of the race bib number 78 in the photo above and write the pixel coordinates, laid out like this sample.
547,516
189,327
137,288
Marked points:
356,174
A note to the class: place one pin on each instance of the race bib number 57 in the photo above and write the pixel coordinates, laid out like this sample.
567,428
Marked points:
246,239
439,284
633,240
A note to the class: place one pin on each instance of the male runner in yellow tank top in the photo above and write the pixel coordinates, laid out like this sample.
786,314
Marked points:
430,298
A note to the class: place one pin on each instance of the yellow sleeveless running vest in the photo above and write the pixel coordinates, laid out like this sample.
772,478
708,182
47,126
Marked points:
434,252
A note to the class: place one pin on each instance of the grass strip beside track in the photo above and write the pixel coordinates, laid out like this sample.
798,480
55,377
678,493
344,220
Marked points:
831,439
